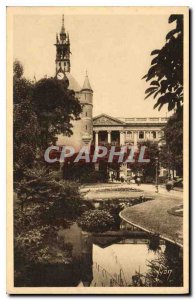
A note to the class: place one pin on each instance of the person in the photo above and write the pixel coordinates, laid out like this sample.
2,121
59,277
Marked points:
138,181
112,177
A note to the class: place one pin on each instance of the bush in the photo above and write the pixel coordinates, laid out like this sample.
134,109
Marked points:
42,205
148,179
93,177
169,185
162,179
96,221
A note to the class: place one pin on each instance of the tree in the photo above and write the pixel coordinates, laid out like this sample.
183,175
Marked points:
152,153
56,107
22,88
148,169
43,201
166,72
171,154
25,124
57,199
166,86
41,111
43,204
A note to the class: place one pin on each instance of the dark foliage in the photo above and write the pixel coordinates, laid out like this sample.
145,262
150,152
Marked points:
56,107
171,154
43,201
96,221
166,72
148,169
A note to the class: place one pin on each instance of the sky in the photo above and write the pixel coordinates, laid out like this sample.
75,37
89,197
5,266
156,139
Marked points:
114,49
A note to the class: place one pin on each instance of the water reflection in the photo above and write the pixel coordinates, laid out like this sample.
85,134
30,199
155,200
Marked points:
115,265
116,261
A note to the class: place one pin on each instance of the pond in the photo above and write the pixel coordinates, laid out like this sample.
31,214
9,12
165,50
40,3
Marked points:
123,256
113,260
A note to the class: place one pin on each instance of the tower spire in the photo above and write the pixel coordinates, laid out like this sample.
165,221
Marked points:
62,32
62,50
86,85
63,28
57,40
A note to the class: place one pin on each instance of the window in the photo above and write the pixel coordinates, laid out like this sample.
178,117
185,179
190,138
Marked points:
129,135
86,127
141,135
154,134
86,114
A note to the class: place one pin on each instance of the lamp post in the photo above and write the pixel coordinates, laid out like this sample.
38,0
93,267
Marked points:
156,159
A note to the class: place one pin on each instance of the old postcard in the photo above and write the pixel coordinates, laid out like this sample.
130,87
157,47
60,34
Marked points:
97,166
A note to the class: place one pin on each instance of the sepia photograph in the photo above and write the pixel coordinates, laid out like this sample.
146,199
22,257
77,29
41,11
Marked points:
98,150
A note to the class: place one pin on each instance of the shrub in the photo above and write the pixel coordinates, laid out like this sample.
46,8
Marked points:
149,179
93,177
169,185
96,221
162,179
42,205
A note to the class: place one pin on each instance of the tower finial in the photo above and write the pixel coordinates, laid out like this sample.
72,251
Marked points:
57,41
63,28
63,20
86,73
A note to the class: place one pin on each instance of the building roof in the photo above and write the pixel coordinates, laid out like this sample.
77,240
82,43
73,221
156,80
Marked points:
86,85
73,84
107,120
104,119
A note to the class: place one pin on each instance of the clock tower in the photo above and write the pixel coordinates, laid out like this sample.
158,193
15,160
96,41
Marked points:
62,53
82,128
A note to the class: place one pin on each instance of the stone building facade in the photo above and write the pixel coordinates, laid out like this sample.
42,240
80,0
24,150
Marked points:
102,129
126,131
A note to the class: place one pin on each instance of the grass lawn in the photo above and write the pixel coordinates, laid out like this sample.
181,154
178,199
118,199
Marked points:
153,216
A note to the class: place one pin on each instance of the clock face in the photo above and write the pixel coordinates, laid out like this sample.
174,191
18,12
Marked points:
60,75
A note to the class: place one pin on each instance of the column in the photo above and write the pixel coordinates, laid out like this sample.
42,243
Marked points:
125,136
122,138
159,135
150,134
135,135
109,137
96,138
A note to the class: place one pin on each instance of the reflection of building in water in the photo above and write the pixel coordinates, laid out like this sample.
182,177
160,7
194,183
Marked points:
114,261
